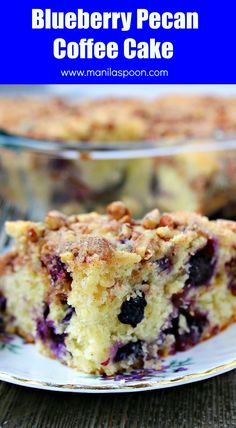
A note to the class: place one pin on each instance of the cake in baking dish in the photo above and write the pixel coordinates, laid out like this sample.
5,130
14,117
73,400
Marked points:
204,182
106,293
117,119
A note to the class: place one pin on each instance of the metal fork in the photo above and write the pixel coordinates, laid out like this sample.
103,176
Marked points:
8,212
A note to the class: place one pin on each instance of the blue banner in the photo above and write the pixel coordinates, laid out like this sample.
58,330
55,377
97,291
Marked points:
165,41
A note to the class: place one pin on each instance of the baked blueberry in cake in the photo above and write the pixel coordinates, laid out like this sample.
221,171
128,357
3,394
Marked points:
107,293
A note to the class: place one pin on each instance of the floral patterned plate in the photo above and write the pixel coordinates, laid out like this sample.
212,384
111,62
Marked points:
21,364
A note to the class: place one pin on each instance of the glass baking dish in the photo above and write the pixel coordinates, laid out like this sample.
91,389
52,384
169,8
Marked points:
175,174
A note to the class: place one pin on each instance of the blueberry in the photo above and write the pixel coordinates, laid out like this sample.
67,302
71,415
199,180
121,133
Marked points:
57,270
3,303
196,322
154,185
182,299
58,164
230,268
75,190
42,330
2,330
58,197
46,311
124,241
44,326
232,287
57,344
202,264
47,333
70,311
164,264
131,349
132,310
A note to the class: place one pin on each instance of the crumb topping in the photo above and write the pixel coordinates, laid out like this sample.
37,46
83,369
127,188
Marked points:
89,236
120,119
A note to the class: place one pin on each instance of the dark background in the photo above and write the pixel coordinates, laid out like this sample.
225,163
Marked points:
207,404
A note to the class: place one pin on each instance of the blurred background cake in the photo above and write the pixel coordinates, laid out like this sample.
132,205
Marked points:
169,151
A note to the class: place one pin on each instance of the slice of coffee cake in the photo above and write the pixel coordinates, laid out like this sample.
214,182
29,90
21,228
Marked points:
105,293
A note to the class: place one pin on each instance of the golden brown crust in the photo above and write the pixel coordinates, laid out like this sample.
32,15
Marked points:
118,210
20,332
92,246
55,220
118,119
89,236
7,261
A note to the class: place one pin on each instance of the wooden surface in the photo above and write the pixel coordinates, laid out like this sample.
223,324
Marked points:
211,403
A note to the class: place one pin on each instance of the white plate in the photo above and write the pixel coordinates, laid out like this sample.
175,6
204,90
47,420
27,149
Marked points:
21,364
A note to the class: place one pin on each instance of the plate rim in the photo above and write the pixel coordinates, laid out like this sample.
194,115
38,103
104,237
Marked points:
121,386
